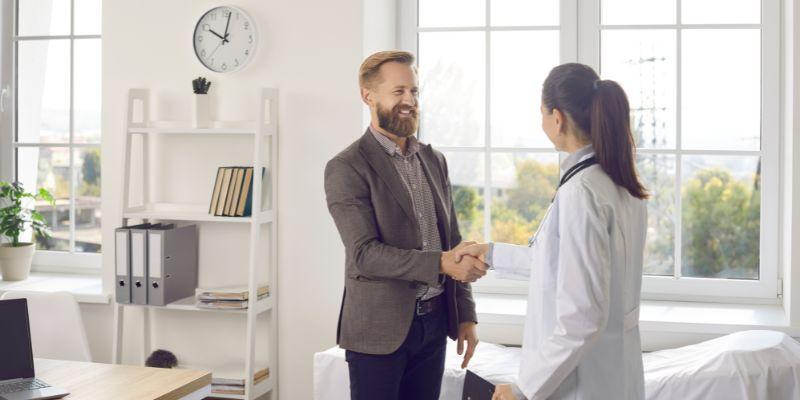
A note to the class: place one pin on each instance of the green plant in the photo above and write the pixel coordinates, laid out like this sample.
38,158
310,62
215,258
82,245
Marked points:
16,217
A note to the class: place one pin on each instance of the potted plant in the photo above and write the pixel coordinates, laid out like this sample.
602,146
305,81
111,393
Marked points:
16,216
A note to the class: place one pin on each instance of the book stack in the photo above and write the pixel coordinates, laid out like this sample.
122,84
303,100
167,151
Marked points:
232,195
235,386
234,298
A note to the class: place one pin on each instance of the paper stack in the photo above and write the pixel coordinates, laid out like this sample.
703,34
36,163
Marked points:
231,298
221,384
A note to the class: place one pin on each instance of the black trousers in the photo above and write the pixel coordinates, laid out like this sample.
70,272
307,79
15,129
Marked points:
413,372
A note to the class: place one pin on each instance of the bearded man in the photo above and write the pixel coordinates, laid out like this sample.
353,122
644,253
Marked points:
391,200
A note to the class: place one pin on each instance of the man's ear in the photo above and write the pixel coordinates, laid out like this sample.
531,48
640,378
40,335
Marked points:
366,96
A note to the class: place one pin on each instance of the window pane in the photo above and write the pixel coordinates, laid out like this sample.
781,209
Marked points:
43,91
43,17
524,12
452,88
87,200
87,91
467,179
721,89
658,175
48,167
452,13
88,17
522,188
643,62
516,87
637,12
721,209
721,12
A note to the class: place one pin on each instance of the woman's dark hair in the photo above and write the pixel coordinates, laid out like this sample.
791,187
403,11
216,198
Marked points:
600,109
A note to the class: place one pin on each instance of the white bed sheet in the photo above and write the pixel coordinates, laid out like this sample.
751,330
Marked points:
752,365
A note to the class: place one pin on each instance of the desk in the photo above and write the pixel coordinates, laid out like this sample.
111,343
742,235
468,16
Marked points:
93,381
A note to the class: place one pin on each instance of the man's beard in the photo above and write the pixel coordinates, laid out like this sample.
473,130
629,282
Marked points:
392,122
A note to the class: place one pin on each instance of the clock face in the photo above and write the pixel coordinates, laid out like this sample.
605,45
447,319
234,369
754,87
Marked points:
224,39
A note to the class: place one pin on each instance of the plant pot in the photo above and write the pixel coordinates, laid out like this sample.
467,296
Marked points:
15,262
201,111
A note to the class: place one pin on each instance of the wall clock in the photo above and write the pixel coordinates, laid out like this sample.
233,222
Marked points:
224,39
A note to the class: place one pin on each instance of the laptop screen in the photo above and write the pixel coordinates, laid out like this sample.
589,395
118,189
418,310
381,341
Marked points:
16,358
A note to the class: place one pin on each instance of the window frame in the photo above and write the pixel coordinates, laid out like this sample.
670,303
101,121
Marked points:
48,260
579,37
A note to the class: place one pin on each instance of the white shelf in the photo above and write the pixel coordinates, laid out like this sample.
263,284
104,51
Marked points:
259,389
180,127
263,128
189,304
191,212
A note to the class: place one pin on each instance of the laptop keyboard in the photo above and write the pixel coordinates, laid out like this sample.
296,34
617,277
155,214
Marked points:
19,386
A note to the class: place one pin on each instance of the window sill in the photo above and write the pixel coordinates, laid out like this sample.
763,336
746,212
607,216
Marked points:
87,288
503,312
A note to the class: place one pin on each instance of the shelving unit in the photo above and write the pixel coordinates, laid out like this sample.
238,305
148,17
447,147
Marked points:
264,128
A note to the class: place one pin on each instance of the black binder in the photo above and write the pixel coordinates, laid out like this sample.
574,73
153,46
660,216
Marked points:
476,388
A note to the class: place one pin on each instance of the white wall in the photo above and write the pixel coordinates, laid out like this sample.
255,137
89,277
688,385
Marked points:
310,50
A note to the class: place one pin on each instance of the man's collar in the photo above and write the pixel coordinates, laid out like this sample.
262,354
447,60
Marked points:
391,147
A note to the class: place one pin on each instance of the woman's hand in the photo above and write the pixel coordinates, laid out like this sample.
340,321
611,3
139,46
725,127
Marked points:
504,392
477,250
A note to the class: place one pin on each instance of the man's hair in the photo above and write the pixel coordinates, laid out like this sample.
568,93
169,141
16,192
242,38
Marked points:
369,68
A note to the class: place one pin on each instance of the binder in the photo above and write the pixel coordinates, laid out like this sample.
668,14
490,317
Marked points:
122,254
139,263
172,255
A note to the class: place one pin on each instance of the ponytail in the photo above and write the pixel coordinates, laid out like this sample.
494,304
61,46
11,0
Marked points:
610,133
600,109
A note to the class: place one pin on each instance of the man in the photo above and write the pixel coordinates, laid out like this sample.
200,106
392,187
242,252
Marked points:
391,200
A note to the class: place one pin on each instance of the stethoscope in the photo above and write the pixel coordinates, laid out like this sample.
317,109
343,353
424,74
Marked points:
564,179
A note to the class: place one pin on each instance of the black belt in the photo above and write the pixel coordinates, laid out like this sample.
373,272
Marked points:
425,307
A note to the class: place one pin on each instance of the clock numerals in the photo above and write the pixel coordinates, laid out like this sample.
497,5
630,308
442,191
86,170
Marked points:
216,37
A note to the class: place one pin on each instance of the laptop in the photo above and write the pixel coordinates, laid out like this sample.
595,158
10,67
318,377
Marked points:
476,388
17,380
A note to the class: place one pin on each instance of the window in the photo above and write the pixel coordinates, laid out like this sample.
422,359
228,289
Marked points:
56,124
702,80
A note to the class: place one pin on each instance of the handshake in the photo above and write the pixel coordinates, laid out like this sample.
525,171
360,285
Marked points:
465,263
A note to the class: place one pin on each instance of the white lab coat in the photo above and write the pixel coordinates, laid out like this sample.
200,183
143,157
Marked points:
581,338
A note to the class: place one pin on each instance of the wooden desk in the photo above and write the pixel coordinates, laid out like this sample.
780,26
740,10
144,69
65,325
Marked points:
93,381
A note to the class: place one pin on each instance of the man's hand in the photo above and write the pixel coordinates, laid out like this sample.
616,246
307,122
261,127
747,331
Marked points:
504,392
466,331
470,269
477,250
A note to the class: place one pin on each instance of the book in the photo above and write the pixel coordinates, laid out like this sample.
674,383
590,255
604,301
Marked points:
226,180
237,187
230,293
244,197
229,198
215,192
224,304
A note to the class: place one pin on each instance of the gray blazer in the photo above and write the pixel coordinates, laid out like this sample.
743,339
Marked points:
384,262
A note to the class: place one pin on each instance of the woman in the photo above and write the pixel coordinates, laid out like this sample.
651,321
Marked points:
581,338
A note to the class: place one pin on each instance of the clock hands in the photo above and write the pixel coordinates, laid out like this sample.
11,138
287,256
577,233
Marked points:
225,39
